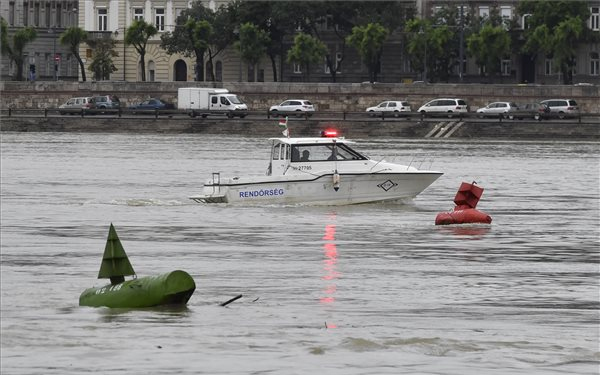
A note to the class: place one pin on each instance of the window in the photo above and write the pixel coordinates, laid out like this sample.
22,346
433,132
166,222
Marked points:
26,14
506,14
219,71
178,12
297,69
47,60
594,63
505,67
159,16
329,25
484,11
151,71
11,13
548,67
46,15
102,19
69,65
36,14
525,21
58,22
595,18
138,14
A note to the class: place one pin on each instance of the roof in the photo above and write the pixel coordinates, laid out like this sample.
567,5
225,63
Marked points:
323,140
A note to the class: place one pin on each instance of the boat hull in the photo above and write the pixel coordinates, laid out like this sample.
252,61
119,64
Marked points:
354,188
173,288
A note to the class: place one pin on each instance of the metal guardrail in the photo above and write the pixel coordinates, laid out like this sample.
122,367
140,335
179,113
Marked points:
317,115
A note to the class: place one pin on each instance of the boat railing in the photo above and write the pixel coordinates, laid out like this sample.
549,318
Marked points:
420,160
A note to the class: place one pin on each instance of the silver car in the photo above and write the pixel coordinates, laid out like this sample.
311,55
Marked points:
393,107
496,109
447,106
299,107
76,105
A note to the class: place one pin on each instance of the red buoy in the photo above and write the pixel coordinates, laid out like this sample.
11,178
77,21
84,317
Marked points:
466,200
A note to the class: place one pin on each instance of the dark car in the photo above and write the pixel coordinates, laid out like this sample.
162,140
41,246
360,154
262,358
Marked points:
537,111
152,104
107,102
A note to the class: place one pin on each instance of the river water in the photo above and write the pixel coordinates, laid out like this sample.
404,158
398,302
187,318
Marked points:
365,289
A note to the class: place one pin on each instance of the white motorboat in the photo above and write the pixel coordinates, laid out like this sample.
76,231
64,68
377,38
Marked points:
319,171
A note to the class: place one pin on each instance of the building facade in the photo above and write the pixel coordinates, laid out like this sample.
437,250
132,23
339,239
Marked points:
110,19
50,60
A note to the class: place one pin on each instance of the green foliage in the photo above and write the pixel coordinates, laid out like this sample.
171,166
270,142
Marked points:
4,47
431,48
368,41
72,38
252,44
306,51
556,28
138,35
489,46
14,51
200,31
102,59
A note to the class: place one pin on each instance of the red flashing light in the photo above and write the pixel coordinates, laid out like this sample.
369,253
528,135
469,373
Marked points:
329,133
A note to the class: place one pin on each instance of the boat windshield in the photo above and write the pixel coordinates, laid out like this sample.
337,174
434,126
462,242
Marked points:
324,152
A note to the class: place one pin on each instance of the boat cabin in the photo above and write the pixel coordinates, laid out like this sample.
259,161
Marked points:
297,152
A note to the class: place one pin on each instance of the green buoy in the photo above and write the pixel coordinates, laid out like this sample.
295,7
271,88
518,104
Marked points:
173,288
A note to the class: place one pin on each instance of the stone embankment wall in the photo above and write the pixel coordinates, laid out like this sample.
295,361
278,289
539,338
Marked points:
516,130
349,97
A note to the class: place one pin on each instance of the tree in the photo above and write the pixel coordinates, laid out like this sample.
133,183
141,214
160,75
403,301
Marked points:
223,35
556,28
306,51
200,31
188,36
489,46
15,51
280,23
252,44
138,35
368,41
102,60
566,37
72,38
431,49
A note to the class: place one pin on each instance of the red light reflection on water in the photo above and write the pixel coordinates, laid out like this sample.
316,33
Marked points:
329,266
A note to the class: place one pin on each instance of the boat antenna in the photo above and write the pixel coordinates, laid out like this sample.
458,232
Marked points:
115,263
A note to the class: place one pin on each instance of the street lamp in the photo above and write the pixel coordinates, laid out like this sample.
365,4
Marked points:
422,32
236,31
117,33
54,56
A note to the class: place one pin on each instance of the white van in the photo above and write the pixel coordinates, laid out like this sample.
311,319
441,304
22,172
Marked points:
562,107
202,101
444,105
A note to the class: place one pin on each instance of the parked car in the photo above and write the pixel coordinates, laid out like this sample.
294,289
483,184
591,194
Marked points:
536,111
76,105
562,107
392,107
496,109
151,104
107,102
444,105
300,107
